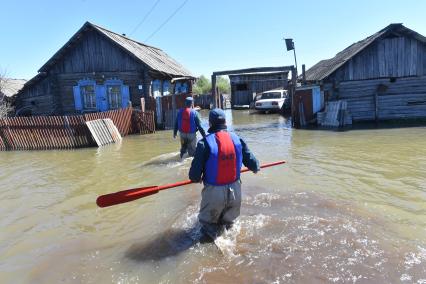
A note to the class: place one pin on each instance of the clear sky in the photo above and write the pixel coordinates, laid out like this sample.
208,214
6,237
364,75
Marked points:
204,35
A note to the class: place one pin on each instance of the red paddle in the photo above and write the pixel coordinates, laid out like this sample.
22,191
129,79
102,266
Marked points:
136,193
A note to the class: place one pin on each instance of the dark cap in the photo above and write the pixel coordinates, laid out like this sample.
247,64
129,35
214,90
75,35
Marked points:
188,101
217,117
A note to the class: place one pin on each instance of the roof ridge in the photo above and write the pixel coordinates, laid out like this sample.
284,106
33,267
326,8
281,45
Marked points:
326,67
120,35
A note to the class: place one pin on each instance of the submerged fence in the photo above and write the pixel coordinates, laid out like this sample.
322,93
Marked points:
143,122
122,118
66,132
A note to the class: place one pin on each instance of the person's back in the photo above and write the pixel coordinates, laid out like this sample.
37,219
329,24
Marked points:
217,161
187,123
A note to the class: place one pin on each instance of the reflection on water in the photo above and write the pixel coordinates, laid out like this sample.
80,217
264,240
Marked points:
347,207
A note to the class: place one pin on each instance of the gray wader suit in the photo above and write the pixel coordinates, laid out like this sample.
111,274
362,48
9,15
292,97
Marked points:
188,141
220,204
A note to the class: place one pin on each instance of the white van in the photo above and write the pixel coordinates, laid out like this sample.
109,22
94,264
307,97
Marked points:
271,100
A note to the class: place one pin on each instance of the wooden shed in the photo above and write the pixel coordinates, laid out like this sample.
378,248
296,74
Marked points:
381,77
99,70
245,86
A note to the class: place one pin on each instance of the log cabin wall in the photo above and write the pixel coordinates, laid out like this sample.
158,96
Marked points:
384,81
388,57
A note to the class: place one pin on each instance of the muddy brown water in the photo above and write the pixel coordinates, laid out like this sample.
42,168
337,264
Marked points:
348,207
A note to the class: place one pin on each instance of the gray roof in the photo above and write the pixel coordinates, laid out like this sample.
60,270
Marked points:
153,57
325,68
10,87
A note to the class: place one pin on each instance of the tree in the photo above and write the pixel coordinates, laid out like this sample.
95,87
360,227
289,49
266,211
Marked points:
5,107
223,85
202,86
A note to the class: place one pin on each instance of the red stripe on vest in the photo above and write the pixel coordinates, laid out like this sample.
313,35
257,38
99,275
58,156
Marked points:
227,161
186,120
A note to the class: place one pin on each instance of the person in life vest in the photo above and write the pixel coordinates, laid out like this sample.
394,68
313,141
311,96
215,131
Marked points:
188,122
217,162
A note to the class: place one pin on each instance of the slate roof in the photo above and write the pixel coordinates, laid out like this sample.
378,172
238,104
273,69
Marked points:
325,68
153,57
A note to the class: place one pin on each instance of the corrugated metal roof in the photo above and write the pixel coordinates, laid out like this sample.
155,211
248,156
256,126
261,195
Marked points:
153,57
326,67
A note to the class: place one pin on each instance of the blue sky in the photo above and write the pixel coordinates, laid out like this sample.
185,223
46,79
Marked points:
204,36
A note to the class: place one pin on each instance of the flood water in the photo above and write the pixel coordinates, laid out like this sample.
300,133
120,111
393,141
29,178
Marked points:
348,207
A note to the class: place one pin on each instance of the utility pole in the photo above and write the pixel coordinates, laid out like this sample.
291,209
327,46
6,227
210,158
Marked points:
290,46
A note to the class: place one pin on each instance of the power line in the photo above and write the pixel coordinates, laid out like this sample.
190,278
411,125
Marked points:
167,20
145,17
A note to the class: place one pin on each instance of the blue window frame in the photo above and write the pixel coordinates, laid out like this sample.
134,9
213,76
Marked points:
114,93
91,97
156,86
166,88
85,95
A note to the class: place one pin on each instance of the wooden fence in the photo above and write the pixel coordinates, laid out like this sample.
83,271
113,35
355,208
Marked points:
66,132
44,132
121,118
143,122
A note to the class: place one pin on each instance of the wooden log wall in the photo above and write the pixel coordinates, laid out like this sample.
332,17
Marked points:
383,99
93,53
389,57
39,98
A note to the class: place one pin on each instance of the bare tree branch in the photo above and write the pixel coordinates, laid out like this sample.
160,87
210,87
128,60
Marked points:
5,107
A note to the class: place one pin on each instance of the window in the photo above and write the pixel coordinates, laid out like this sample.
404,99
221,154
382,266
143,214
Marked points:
166,88
114,96
156,84
88,95
181,87
274,95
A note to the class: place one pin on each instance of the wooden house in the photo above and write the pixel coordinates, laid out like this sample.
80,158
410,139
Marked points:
245,86
99,70
381,77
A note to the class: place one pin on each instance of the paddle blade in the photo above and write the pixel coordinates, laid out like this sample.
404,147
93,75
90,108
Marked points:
125,196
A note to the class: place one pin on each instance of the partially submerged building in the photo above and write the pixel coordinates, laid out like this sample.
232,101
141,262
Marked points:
99,70
245,86
381,77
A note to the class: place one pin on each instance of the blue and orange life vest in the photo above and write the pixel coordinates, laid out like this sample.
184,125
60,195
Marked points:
186,120
225,159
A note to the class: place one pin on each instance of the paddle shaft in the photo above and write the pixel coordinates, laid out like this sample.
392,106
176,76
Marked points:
136,193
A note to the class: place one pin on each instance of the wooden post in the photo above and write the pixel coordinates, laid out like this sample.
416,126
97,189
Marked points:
174,105
292,94
143,104
376,107
214,90
214,99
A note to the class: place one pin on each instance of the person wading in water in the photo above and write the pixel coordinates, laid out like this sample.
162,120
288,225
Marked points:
217,162
188,122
